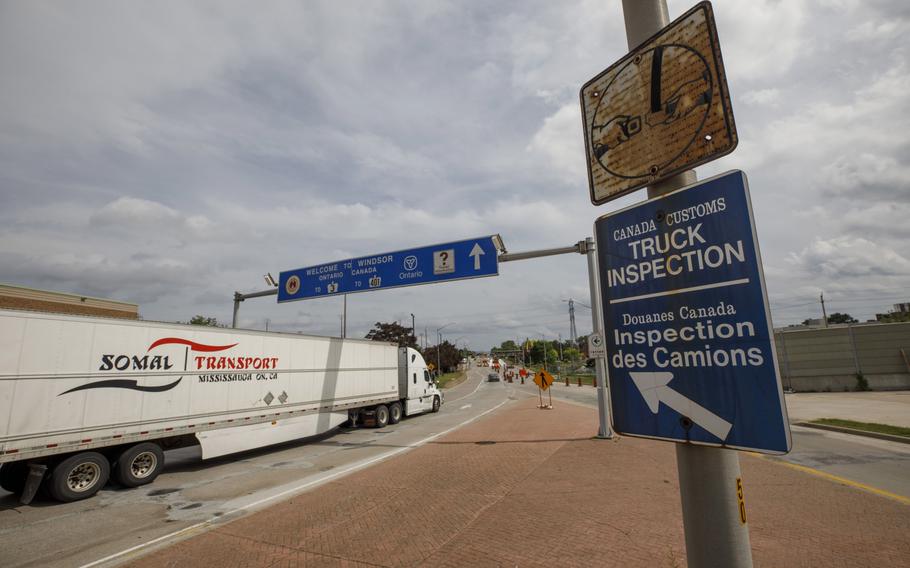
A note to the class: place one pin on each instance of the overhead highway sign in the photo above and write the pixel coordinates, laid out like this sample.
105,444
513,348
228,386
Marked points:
470,258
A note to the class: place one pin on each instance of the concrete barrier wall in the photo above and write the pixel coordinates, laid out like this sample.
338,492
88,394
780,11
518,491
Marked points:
829,359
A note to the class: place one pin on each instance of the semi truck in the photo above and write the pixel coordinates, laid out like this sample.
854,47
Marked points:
84,400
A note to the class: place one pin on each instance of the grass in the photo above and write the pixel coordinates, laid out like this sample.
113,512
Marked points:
866,426
448,380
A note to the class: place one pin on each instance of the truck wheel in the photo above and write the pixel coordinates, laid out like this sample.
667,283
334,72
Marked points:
436,404
395,413
78,477
138,465
382,416
13,476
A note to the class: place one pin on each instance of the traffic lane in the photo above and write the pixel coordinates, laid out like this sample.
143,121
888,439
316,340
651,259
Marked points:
475,376
879,464
883,407
191,491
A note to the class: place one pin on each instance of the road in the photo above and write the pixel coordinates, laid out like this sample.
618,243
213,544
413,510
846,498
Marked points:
191,495
878,464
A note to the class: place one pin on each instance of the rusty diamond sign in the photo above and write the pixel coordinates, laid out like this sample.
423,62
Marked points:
660,110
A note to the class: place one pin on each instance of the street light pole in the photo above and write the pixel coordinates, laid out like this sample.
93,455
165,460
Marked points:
438,342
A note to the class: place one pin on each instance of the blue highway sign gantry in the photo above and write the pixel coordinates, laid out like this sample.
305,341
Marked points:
470,258
690,346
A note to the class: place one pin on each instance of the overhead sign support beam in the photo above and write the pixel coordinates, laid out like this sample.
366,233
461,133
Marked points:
587,248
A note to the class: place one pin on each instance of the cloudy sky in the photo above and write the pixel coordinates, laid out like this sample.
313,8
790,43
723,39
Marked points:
170,153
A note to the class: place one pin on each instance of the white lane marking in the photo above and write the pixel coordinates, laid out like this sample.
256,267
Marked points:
465,406
480,384
297,489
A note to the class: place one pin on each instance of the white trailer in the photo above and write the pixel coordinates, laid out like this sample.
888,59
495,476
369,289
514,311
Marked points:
85,399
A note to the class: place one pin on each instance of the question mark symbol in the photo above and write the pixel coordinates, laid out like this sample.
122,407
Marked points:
445,257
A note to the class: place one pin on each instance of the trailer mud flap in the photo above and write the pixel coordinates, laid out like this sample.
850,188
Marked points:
36,473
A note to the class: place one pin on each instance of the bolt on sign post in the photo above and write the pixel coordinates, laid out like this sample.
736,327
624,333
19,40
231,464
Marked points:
660,110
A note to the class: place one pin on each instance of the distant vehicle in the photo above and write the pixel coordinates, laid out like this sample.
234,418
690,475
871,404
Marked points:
85,399
493,378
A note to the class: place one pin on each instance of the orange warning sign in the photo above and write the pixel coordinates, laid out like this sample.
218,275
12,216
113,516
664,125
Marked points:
543,379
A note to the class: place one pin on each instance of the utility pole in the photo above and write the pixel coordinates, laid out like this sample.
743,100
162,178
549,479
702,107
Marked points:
573,333
544,342
413,332
708,477
824,313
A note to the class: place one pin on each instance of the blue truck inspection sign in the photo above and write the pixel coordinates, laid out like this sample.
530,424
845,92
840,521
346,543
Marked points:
690,347
471,258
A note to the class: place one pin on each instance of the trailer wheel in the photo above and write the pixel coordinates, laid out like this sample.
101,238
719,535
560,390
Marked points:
13,476
78,477
395,413
382,416
436,404
138,465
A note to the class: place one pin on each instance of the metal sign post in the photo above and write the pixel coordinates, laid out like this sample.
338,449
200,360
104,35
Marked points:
587,248
710,479
544,381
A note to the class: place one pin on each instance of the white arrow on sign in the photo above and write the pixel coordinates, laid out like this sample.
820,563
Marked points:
654,389
475,254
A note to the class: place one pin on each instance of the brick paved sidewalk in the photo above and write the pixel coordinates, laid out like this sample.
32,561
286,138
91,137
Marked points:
526,487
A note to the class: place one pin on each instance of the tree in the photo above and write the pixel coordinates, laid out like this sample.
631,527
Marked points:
838,317
445,354
508,345
202,320
571,354
394,333
893,317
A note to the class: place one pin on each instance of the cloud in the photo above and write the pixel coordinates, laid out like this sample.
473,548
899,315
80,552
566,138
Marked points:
560,143
131,211
846,257
762,39
170,154
762,97
864,176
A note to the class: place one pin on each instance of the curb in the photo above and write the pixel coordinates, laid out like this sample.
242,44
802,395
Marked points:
855,432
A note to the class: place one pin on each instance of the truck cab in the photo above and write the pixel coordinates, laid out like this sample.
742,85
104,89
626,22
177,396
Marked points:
418,391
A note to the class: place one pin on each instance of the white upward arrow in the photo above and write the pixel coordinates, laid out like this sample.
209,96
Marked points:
654,389
475,253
